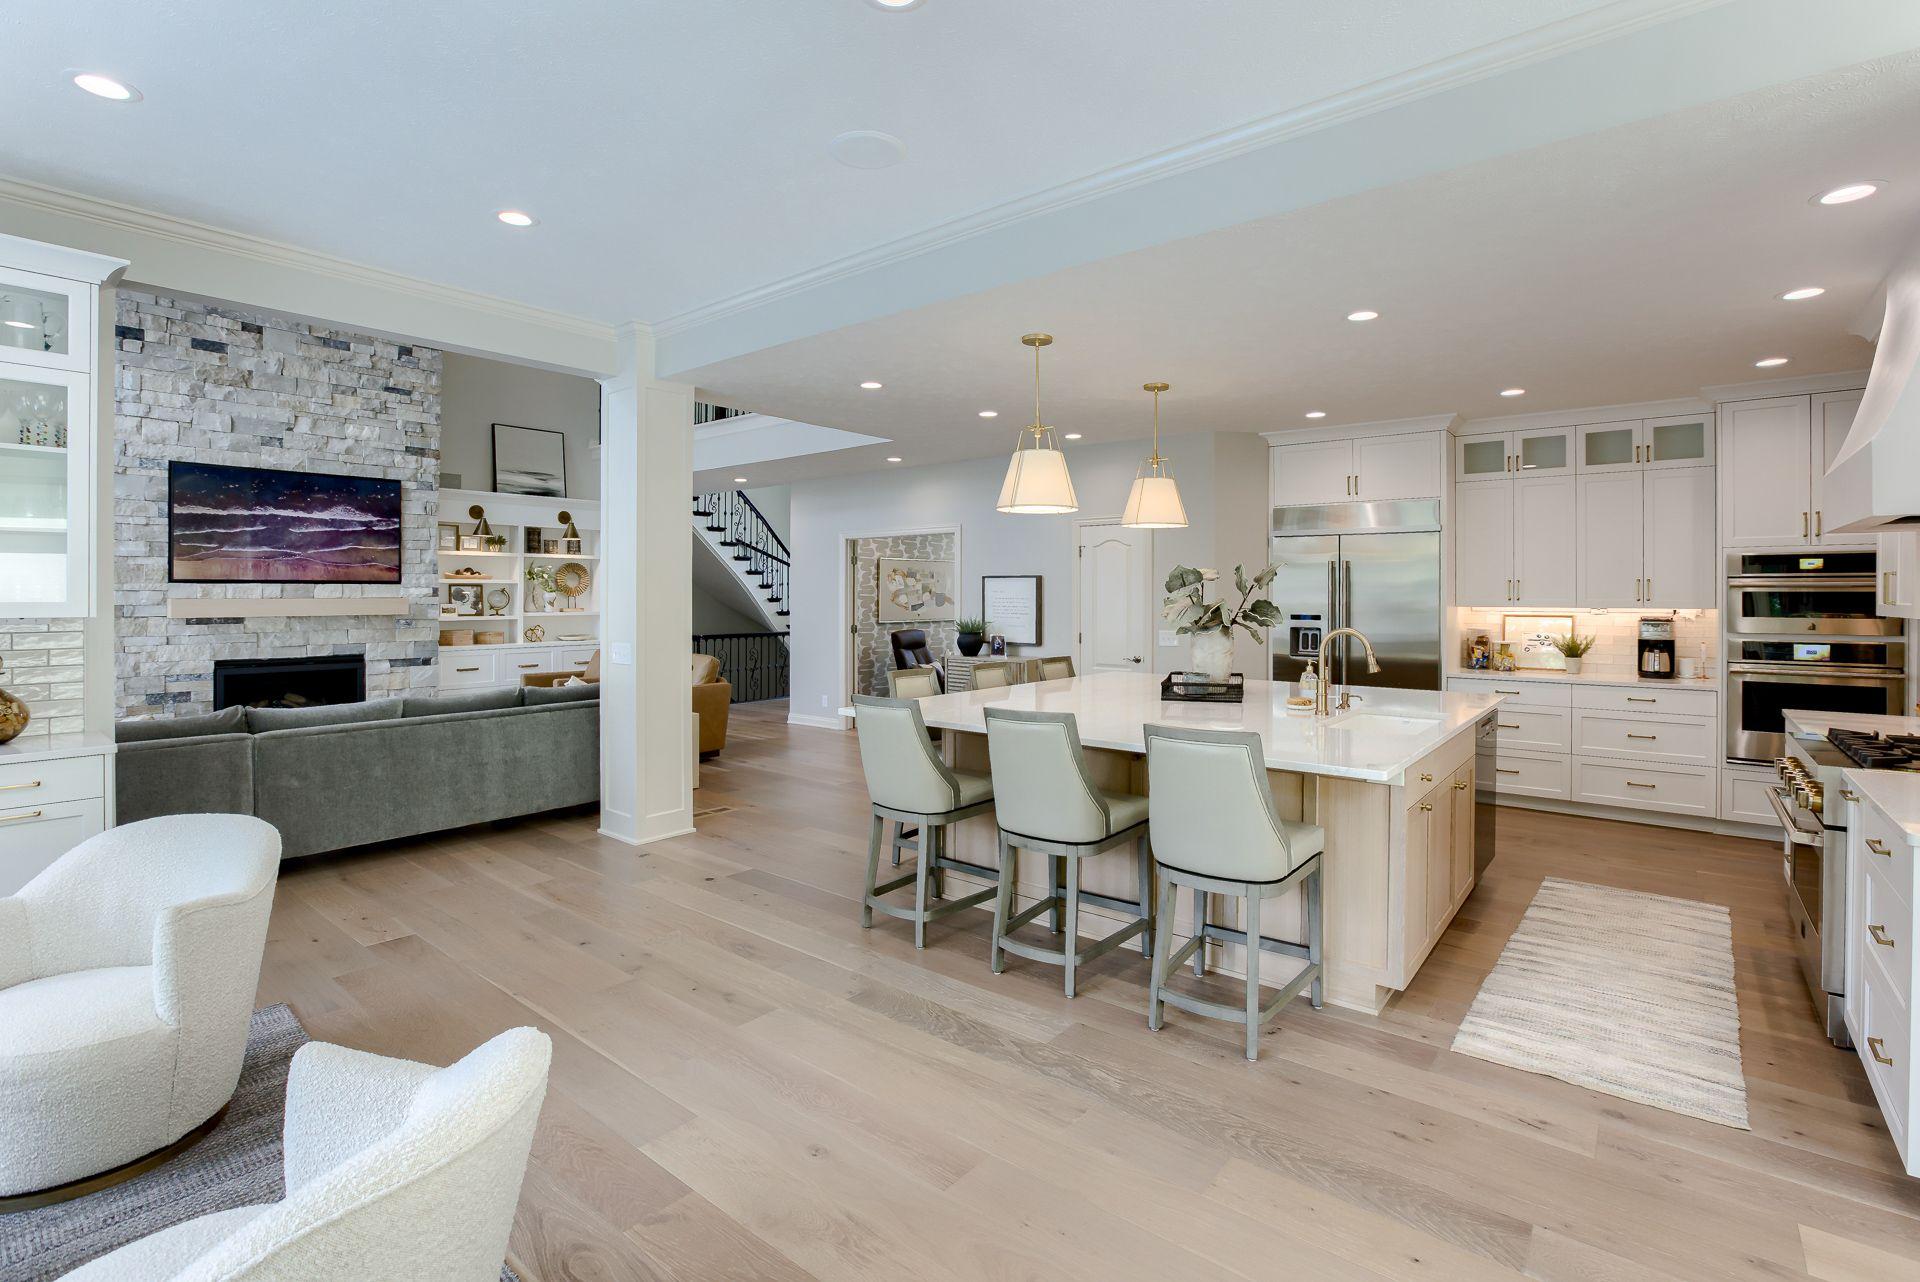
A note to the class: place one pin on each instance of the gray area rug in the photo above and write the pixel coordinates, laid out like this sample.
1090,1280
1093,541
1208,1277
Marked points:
1622,992
237,1165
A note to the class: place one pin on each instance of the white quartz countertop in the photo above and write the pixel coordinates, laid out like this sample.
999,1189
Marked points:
53,747
1895,793
1384,733
1553,677
1802,721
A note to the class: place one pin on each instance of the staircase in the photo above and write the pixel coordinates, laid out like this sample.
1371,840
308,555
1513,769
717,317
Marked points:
730,522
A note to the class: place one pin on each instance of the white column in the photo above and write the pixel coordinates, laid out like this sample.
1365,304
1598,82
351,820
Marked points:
646,586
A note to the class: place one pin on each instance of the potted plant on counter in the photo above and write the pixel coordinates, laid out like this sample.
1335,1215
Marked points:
1573,647
970,635
1211,624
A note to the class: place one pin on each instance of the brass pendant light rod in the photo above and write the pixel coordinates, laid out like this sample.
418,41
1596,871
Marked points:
1036,342
1156,388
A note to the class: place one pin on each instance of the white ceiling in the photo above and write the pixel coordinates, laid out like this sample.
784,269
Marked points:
1639,263
675,152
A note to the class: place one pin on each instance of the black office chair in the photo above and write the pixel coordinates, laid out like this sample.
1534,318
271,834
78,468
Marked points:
910,651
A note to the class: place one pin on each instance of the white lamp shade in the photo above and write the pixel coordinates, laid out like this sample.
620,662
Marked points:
1037,484
1155,504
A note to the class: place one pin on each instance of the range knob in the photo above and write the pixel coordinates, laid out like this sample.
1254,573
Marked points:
1816,796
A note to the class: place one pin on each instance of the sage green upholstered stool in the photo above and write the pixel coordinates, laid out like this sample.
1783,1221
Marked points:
909,784
912,683
1216,832
1047,804
992,675
1054,668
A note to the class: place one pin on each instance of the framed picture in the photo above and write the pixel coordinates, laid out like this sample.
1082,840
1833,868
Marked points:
464,598
472,543
997,646
913,591
1011,603
262,525
1533,636
529,460
448,539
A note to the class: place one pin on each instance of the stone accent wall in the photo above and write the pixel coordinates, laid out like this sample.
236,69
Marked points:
213,383
873,650
40,665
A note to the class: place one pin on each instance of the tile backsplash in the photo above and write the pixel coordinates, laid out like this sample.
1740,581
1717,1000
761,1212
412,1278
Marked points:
1616,634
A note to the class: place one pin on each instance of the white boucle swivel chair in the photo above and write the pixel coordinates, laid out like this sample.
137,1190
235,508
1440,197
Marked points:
393,1170
127,977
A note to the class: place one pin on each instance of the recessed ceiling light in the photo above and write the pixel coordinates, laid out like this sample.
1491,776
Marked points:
1316,413
1795,295
989,413
896,6
516,218
739,480
105,87
23,324
1769,362
893,458
1072,436
871,386
1847,194
1513,391
867,149
1363,316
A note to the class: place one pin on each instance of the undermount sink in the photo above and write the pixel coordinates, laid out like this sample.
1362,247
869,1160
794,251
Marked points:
1380,723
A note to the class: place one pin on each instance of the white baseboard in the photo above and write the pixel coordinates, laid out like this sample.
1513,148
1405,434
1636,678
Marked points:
812,719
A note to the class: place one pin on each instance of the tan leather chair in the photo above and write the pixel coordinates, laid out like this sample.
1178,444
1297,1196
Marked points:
712,696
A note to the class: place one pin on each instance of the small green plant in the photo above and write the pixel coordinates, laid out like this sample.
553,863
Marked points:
974,625
1573,645
541,576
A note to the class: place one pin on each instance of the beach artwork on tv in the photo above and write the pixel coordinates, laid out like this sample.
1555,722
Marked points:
255,525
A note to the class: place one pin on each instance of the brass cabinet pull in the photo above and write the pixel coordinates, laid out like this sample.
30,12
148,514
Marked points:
1425,777
1649,595
1875,1045
1632,784
466,669
1816,523
1849,796
527,665
1498,690
1641,698
1803,525
1459,785
1502,770
1426,805
1878,847
15,787
1879,934
1886,587
1507,725
31,814
1631,735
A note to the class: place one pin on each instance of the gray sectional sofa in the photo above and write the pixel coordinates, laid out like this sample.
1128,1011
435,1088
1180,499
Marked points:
344,775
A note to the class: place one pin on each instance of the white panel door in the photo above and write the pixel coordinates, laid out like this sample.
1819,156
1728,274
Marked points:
1609,550
1832,416
1545,540
1483,543
1400,467
1766,473
1678,556
1115,582
1314,472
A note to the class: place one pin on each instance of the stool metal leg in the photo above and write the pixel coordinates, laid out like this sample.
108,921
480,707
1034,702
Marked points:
1003,900
1253,975
1072,942
1162,955
1200,932
1313,932
1144,861
873,871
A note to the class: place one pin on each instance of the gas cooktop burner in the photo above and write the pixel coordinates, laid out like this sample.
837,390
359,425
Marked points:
1877,752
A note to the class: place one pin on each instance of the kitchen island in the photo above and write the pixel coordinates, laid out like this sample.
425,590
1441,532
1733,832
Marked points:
1390,779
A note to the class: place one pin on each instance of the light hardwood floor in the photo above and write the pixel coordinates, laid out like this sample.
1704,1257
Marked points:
748,1085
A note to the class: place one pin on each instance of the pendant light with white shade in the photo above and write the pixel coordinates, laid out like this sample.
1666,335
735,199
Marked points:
1154,503
1037,483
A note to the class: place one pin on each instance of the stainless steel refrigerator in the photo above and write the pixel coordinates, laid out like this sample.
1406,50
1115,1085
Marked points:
1370,566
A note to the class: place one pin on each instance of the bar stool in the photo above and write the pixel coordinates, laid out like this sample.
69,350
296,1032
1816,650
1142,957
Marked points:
1047,804
909,784
913,683
992,675
1215,830
1056,667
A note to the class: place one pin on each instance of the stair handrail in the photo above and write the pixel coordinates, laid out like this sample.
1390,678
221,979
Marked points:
785,556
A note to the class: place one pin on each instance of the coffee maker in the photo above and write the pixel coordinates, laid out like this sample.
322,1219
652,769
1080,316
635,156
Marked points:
1656,648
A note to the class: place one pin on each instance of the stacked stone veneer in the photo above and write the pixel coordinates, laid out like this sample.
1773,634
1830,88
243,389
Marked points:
211,383
40,664
873,647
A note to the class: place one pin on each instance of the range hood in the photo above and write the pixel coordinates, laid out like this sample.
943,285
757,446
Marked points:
1874,483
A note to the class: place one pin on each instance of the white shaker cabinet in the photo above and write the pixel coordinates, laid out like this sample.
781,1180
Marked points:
1537,452
1773,461
1679,570
1899,564
1311,472
1515,543
1611,522
1832,416
1404,466
1483,543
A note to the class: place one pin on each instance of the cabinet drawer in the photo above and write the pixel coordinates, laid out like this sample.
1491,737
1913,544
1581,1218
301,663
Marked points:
567,657
465,667
1644,698
1680,790
1522,774
1882,1024
1885,939
1668,739
1532,694
25,784
517,663
1743,797
1530,729
31,837
1888,857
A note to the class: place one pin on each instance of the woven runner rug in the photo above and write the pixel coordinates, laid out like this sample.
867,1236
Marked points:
1621,992
237,1165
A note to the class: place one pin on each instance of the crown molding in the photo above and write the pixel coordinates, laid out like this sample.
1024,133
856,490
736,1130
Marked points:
1587,414
1377,427
184,231
1798,385
1595,27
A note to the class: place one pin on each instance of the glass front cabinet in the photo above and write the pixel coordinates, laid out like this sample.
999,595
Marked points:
49,416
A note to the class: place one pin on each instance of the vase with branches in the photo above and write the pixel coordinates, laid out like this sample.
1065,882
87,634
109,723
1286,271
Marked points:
1211,623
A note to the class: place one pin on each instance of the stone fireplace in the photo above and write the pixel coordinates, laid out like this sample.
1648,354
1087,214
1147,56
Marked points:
289,683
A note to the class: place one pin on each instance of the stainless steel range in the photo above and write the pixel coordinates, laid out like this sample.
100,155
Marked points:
1814,847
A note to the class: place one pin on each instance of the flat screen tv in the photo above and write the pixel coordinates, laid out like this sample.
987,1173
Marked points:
258,525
